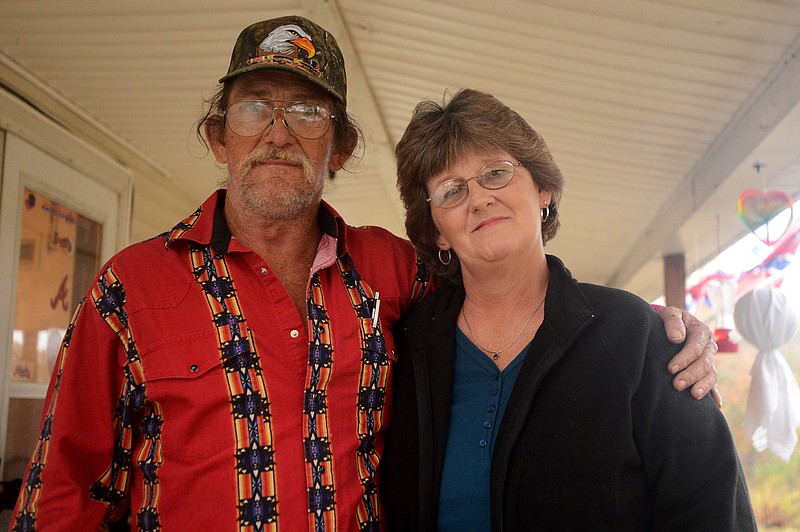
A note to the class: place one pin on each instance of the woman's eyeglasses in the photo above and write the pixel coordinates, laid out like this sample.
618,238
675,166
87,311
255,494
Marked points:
453,192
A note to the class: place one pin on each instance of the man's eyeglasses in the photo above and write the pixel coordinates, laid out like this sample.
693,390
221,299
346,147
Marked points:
453,192
250,118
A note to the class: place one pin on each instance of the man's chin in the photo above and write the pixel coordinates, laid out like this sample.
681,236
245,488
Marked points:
279,206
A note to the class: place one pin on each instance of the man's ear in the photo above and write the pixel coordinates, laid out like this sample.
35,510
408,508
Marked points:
338,160
215,134
344,150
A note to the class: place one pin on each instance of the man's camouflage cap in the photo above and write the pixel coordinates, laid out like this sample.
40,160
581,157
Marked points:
294,44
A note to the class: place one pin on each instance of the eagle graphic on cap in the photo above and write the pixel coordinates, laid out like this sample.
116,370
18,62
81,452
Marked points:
288,40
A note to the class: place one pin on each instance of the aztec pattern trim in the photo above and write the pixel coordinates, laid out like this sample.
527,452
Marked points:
371,392
421,281
182,226
317,445
32,486
255,465
109,299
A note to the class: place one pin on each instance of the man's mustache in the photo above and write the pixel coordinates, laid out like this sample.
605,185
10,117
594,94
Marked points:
271,153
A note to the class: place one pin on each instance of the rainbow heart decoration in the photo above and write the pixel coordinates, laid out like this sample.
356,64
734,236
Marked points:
760,211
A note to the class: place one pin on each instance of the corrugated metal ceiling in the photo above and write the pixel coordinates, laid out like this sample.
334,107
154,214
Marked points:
655,110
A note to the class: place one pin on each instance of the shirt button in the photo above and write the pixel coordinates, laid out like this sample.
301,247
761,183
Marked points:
487,424
295,333
263,271
491,408
483,443
193,368
494,391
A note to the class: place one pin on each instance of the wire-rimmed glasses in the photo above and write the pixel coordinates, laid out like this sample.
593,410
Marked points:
453,192
250,118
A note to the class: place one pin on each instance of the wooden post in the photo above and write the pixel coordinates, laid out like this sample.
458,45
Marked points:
675,280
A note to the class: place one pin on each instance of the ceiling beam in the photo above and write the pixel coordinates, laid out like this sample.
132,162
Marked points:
774,98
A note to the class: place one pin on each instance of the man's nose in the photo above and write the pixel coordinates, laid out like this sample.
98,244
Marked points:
277,131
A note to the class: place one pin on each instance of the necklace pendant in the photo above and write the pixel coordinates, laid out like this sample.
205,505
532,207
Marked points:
496,356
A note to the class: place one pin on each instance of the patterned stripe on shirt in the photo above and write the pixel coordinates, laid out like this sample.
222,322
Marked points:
31,489
258,500
318,454
371,392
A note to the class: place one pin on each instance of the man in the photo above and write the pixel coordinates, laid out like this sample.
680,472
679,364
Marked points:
234,371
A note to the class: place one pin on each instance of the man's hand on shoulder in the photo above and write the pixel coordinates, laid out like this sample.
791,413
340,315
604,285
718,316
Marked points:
694,364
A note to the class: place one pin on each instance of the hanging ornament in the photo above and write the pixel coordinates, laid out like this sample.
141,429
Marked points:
761,212
766,318
721,293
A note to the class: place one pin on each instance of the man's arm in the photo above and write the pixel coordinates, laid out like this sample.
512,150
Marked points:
694,364
78,432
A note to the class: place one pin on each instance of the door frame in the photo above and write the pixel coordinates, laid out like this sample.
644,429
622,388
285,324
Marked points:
72,173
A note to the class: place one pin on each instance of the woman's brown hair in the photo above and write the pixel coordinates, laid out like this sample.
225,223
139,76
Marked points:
438,134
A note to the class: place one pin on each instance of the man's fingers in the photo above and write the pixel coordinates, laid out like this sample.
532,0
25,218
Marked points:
694,366
673,323
700,374
717,396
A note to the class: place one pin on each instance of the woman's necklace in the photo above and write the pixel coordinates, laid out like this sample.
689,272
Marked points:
496,354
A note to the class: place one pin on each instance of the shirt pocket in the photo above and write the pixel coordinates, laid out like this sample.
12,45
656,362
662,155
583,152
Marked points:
186,381
380,349
377,369
389,314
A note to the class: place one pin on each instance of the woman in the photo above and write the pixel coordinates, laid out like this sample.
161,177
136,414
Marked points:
532,401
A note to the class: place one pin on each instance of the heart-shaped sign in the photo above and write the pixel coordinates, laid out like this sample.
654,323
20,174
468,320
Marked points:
761,213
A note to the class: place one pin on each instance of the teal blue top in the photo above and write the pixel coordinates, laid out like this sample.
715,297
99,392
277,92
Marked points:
480,396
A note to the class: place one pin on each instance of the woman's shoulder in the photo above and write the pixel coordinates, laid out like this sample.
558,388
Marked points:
602,298
613,299
623,314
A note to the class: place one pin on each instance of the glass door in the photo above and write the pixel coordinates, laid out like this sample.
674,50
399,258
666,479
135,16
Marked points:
57,226
59,253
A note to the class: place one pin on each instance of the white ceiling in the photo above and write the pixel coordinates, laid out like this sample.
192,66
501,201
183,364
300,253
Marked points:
655,110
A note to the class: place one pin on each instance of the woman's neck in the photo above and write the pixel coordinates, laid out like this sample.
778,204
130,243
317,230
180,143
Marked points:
505,306
503,288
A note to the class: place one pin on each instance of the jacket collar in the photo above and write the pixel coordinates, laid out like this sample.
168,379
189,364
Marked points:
566,309
430,333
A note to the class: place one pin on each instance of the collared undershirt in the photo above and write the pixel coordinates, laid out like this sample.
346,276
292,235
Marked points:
480,396
326,253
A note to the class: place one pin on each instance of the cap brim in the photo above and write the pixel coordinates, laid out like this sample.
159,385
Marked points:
272,66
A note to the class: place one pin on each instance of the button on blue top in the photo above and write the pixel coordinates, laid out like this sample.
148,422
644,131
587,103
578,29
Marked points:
480,396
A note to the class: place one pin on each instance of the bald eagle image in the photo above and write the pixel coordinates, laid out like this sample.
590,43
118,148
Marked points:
288,40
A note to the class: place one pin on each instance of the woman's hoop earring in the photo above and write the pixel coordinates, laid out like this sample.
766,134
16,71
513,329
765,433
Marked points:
545,213
449,257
